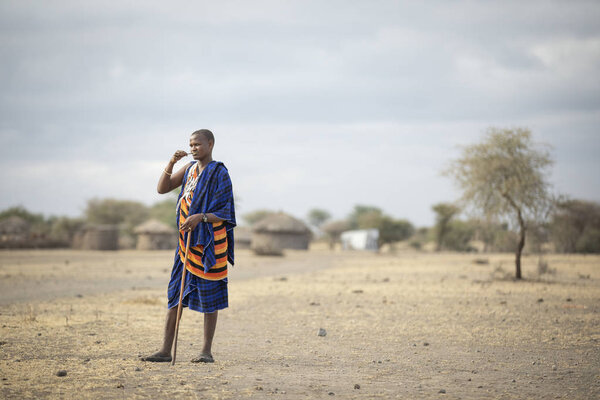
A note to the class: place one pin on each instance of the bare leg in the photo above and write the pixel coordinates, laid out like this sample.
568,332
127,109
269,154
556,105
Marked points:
210,325
169,331
165,352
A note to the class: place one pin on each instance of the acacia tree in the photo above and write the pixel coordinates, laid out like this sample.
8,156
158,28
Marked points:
318,217
365,217
444,212
504,177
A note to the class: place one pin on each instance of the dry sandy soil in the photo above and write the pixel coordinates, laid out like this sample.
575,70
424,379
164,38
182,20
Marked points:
411,325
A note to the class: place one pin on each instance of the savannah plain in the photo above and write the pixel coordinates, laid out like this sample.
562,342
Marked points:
407,325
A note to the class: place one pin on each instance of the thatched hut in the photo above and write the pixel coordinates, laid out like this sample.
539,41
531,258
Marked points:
334,230
155,235
243,237
14,229
279,231
97,237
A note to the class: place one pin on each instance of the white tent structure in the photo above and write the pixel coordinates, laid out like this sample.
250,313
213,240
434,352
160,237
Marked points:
364,239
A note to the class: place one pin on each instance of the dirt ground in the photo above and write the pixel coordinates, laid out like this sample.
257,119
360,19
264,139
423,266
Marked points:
410,325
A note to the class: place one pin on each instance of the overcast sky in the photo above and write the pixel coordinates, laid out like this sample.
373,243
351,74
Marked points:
313,103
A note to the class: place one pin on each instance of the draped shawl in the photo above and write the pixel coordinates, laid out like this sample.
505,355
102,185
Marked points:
213,195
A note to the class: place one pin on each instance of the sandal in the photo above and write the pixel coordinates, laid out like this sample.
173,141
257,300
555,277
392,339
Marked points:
203,358
157,358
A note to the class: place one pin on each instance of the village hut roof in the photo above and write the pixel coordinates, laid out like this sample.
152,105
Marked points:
153,226
336,226
243,233
280,223
14,225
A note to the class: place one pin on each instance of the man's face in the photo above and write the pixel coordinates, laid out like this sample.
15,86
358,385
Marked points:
200,147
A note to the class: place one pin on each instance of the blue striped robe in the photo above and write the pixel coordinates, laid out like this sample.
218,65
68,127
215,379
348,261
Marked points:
213,195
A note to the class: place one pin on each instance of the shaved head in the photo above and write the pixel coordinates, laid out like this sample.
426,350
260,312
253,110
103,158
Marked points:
206,134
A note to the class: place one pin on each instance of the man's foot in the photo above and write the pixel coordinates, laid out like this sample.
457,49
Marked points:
158,357
203,358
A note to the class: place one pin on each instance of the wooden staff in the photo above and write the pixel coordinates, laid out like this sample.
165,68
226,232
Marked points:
179,306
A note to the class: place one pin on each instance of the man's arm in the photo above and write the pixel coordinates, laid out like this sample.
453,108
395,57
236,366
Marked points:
169,180
193,220
213,218
218,207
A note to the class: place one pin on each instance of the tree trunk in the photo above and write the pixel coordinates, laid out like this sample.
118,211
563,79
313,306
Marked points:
521,234
520,245
440,239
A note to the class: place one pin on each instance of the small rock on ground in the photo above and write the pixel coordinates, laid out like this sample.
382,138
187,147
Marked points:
61,372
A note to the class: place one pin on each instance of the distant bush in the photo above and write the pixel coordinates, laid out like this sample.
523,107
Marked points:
164,211
318,217
63,229
458,236
420,237
38,226
253,217
496,236
52,232
588,241
365,217
575,227
125,213
394,230
444,214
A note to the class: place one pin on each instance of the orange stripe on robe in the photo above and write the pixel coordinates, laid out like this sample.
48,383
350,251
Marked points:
194,262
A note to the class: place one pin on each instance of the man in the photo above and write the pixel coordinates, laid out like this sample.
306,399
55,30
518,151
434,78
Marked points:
205,210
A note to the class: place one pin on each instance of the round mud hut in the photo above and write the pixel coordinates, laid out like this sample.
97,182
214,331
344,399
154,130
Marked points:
277,232
243,237
15,233
155,235
98,237
14,229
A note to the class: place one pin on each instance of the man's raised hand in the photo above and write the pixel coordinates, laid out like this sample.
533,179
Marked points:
179,154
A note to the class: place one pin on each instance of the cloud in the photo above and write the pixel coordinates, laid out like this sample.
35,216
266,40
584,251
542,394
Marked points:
325,62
